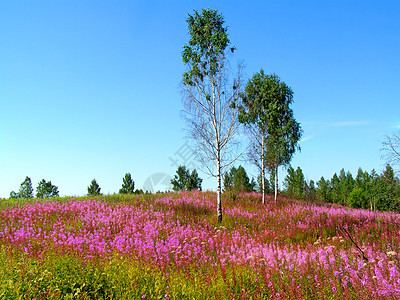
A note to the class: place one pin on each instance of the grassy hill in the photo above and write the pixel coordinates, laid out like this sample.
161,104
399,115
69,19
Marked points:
169,246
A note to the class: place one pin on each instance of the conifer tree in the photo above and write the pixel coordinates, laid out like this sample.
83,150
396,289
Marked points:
186,181
94,188
128,185
236,180
25,190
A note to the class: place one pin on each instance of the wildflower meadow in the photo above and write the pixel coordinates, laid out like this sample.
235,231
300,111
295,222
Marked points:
170,246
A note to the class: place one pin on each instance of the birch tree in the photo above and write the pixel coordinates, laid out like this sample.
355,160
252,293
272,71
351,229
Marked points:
254,114
273,130
209,91
391,148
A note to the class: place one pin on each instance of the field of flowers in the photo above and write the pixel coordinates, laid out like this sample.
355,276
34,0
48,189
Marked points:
169,246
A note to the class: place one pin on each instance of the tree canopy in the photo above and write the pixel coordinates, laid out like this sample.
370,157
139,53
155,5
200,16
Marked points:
46,190
274,131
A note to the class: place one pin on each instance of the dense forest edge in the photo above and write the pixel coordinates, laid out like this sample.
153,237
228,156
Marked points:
371,190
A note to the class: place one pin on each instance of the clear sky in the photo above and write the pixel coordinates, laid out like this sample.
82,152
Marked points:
91,89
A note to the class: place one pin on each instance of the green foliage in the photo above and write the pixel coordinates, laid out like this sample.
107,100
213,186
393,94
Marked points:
346,185
334,191
388,191
206,49
14,195
241,181
295,183
266,105
67,277
367,190
268,100
46,190
323,188
358,198
25,190
194,182
297,187
310,192
186,181
128,185
228,179
94,188
269,185
236,180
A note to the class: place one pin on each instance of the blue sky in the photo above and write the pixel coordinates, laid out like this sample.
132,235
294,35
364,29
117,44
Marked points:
91,89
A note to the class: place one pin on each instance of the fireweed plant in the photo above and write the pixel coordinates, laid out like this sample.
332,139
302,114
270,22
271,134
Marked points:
170,246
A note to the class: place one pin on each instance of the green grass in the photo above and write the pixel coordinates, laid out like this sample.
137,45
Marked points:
67,277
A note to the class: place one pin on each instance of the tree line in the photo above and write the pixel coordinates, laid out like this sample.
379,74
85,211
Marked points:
184,180
43,190
46,189
128,187
368,190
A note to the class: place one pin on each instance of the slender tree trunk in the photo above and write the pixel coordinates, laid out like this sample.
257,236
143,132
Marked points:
219,205
276,184
263,170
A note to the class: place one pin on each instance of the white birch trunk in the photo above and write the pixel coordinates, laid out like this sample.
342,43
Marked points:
219,204
263,170
276,184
